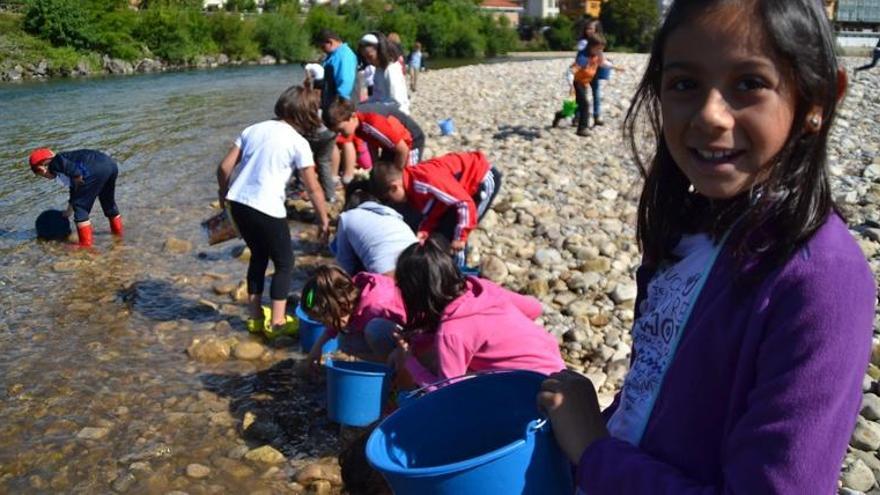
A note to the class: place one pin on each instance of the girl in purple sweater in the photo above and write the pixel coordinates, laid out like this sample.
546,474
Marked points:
755,306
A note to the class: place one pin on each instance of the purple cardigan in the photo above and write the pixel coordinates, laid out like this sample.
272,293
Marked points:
763,392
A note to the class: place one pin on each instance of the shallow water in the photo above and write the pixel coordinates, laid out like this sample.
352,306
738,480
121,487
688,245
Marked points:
98,339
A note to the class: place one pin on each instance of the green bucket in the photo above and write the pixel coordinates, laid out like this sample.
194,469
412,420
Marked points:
569,107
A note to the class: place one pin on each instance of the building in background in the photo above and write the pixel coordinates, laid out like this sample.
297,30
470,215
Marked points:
503,8
541,8
579,8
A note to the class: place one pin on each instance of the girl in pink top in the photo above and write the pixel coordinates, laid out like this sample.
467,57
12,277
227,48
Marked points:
365,309
471,323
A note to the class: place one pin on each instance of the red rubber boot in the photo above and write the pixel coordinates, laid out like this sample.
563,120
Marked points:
116,225
85,235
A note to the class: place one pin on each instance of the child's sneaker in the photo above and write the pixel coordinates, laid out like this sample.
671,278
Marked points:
290,327
258,325
598,121
583,132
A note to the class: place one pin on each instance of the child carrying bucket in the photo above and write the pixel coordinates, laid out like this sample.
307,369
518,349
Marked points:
470,324
755,305
364,311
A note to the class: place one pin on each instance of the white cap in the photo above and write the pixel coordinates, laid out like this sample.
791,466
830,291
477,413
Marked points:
582,44
315,71
369,39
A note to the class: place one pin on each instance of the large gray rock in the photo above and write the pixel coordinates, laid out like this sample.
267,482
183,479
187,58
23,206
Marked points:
870,407
547,257
494,269
858,476
866,435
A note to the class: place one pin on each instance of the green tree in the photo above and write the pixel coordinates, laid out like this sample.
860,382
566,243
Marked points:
629,24
277,5
283,37
559,33
241,5
61,22
234,37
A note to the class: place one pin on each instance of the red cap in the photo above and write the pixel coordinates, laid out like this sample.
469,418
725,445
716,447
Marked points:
39,155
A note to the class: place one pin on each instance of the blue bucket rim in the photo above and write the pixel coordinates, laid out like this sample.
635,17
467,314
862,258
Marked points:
330,363
372,444
301,314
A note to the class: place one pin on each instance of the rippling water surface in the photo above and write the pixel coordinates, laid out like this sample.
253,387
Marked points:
96,340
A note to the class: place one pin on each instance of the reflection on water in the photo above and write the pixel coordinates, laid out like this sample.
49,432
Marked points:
98,394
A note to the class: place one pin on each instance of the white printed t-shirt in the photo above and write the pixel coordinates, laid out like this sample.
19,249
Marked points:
656,333
270,151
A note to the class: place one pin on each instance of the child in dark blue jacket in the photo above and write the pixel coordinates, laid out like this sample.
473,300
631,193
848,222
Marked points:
89,175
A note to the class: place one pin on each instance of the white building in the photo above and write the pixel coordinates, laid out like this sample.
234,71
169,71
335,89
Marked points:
220,4
541,8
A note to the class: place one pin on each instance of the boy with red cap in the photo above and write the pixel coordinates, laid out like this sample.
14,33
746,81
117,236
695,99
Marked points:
452,192
89,175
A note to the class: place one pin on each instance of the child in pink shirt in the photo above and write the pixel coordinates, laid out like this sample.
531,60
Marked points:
472,323
365,309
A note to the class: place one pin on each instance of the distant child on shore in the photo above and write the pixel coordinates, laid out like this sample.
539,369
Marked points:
755,305
89,175
265,155
384,135
584,71
364,311
452,191
469,323
415,65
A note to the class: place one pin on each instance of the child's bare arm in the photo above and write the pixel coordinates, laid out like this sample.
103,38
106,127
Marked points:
224,172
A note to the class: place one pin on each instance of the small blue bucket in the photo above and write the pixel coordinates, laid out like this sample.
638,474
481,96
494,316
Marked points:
310,331
481,435
447,127
604,73
356,391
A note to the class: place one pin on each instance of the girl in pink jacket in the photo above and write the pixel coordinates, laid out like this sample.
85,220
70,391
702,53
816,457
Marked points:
469,323
364,311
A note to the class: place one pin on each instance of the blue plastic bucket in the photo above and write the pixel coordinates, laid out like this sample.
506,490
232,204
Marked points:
310,331
356,391
447,127
604,73
478,436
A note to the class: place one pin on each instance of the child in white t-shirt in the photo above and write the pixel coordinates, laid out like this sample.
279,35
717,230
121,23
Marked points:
263,158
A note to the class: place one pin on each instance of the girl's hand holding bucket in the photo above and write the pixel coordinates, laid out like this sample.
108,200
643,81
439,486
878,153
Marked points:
570,401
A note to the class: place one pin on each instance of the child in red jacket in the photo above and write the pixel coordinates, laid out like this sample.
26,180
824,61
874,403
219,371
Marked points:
452,192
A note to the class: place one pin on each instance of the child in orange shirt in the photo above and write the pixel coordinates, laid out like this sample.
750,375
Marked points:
584,70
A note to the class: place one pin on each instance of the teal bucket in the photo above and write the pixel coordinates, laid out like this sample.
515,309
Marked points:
481,435
310,331
447,127
356,391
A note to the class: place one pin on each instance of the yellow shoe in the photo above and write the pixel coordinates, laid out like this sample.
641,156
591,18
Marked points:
255,325
290,327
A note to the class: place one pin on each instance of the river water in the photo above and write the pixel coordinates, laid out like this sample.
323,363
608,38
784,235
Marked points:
98,392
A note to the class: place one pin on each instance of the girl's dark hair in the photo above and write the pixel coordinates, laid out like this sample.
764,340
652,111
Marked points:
329,296
587,23
298,106
357,192
429,280
784,211
386,52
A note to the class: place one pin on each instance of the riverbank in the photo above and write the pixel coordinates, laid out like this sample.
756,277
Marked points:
133,371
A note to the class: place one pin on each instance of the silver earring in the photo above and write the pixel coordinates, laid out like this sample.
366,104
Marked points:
814,121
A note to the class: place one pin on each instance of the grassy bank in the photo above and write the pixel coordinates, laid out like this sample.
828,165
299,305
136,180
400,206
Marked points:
82,34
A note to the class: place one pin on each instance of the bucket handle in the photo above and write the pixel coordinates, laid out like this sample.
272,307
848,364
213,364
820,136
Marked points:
423,389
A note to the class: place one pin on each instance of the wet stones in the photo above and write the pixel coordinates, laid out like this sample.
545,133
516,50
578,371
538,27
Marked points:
197,471
92,433
210,350
265,455
177,246
248,351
